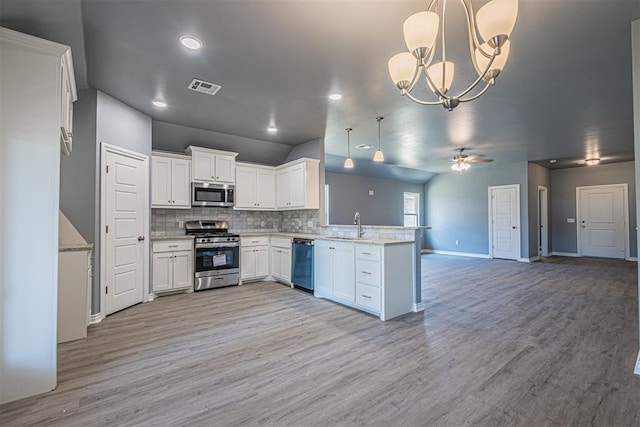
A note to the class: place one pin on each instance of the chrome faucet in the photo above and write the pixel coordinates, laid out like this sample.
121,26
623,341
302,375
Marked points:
356,221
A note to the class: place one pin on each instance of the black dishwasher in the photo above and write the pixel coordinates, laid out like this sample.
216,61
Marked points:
302,264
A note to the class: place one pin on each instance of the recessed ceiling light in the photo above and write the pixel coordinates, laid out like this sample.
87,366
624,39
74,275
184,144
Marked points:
272,129
159,104
190,42
592,162
364,146
335,96
552,161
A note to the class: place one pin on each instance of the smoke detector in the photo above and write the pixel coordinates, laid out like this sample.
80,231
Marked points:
198,85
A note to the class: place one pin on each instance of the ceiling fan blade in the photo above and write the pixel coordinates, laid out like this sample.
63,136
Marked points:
480,160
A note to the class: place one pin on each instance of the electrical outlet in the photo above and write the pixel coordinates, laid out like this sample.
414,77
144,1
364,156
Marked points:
371,192
262,223
309,223
180,224
571,220
457,242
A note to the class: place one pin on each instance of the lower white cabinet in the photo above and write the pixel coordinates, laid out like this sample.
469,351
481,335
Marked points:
74,294
281,259
254,258
172,267
376,278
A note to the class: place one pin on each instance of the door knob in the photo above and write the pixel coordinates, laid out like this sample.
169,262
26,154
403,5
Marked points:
140,238
514,227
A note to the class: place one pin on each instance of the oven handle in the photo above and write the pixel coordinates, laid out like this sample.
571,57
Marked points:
216,245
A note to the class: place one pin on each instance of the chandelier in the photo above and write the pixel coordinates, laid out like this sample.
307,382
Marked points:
492,25
460,165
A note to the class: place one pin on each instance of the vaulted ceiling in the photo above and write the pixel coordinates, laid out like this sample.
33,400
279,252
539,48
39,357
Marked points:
565,93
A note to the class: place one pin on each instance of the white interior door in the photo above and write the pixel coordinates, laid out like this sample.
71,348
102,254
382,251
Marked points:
601,226
504,205
125,194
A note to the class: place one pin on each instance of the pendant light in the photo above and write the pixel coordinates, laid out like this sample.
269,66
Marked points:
348,163
378,156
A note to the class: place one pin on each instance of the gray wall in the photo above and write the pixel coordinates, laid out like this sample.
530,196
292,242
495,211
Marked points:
563,200
120,125
635,39
538,176
457,207
310,149
77,171
350,193
176,138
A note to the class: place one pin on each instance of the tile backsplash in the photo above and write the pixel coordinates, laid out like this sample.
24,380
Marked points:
168,221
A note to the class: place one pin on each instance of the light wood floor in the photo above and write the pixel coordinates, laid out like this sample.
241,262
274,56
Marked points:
501,342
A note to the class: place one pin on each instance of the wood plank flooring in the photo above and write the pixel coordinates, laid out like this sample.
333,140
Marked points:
501,343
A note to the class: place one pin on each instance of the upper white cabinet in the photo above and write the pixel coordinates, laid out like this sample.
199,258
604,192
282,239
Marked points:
255,187
170,181
212,165
298,185
67,98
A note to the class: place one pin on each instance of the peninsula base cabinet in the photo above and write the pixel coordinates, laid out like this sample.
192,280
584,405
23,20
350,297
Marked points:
172,267
375,278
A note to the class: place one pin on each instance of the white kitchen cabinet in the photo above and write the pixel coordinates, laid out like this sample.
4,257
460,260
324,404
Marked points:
297,185
172,265
67,98
281,259
255,187
170,181
74,296
334,270
254,258
212,165
376,278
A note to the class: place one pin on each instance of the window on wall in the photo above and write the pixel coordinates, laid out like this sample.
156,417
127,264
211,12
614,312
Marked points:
411,209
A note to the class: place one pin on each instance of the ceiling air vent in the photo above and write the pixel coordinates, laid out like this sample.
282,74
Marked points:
364,146
204,87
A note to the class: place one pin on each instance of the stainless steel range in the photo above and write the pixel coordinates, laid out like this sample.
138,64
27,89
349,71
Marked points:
217,254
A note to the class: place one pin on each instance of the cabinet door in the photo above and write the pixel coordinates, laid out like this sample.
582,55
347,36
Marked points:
225,169
262,261
180,183
297,189
160,181
247,263
162,271
203,166
323,268
245,196
285,265
276,263
283,189
265,188
182,269
344,285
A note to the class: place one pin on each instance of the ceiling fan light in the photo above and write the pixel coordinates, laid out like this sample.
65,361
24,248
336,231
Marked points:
402,68
420,31
348,163
498,63
435,73
497,18
378,156
465,166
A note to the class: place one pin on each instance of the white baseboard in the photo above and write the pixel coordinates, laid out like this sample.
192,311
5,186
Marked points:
532,259
570,254
418,307
633,258
96,318
454,253
637,370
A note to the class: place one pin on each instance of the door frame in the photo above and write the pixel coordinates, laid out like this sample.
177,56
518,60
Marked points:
625,214
519,242
104,149
543,221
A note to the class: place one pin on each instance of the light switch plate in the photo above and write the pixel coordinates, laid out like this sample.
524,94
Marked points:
371,192
309,223
180,224
571,220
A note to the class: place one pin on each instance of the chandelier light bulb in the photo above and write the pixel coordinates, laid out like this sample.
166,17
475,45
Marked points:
497,18
402,68
498,63
436,72
420,32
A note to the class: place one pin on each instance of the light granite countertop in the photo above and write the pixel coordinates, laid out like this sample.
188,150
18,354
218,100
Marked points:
158,238
325,237
75,247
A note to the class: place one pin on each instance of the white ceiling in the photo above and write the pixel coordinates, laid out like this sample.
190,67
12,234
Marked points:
566,91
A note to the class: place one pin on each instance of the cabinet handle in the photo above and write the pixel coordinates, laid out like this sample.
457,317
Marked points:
365,296
173,246
365,253
70,134
255,241
173,201
365,272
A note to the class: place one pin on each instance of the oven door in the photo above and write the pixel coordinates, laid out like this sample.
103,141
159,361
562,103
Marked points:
214,259
211,195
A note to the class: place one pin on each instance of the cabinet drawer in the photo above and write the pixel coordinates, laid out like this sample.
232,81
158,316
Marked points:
369,252
172,246
254,241
368,297
368,272
281,242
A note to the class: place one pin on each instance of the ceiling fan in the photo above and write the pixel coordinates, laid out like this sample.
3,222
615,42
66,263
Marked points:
462,162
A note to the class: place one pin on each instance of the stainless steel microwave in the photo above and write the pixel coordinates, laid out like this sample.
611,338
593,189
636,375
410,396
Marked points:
213,195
